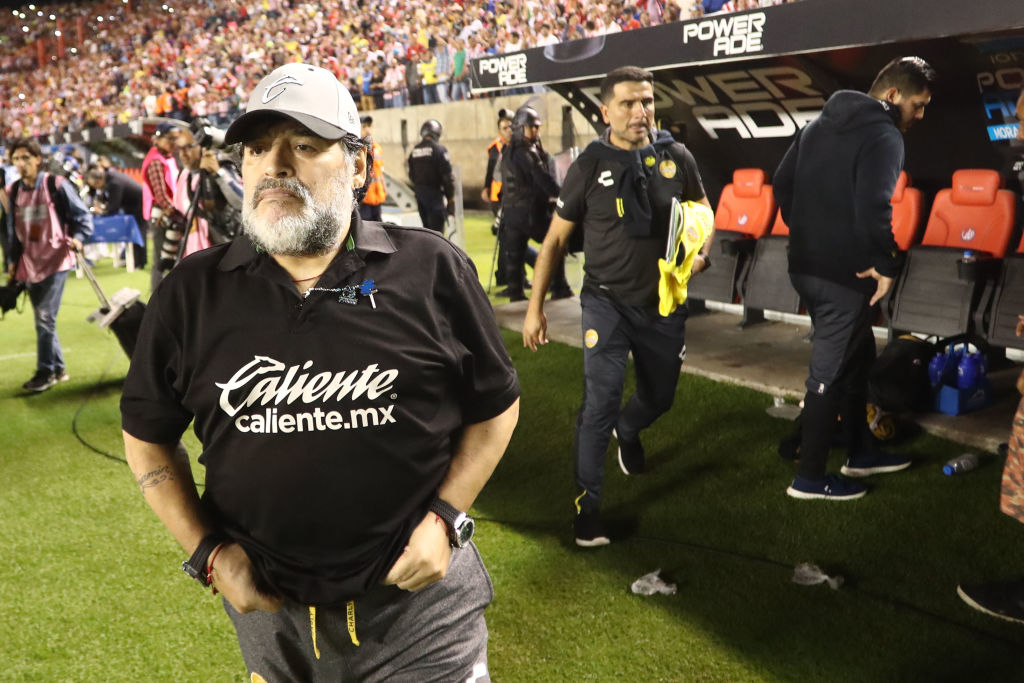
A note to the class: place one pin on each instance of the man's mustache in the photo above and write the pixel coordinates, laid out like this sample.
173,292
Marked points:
287,184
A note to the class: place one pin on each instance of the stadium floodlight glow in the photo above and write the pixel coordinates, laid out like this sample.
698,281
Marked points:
32,8
57,33
99,19
39,13
25,29
21,96
53,17
14,12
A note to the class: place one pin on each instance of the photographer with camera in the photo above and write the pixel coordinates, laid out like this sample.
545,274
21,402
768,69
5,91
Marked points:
211,182
159,174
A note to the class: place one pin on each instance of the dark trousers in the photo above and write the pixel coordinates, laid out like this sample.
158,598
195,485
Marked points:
517,253
430,203
436,634
370,212
842,352
610,333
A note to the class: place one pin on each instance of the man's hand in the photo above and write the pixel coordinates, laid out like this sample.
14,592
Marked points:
535,329
232,577
209,162
884,284
694,268
425,558
76,244
485,195
1020,326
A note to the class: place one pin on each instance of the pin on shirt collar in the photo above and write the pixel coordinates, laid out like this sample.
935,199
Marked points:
349,293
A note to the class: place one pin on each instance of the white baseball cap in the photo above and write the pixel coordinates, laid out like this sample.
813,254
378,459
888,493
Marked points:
304,93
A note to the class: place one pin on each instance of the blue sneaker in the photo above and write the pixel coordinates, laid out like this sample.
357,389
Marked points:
874,463
832,487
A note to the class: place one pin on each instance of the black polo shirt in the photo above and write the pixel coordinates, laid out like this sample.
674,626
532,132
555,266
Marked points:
328,422
615,262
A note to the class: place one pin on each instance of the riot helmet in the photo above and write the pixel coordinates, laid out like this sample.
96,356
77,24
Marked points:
431,128
525,116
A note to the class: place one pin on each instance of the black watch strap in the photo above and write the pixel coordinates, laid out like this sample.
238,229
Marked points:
447,512
195,566
458,524
707,260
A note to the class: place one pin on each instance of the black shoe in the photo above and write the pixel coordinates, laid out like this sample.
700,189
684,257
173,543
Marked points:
516,296
1003,600
41,381
631,455
561,293
589,530
502,292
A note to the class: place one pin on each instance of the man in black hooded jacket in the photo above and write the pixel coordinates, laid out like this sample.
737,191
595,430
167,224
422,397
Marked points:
834,187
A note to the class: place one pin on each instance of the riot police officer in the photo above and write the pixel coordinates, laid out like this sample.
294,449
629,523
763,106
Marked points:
528,195
430,171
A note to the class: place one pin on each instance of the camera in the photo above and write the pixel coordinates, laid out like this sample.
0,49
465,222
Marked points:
206,135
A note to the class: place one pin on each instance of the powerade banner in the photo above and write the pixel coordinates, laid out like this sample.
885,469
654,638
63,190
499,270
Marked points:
809,25
737,97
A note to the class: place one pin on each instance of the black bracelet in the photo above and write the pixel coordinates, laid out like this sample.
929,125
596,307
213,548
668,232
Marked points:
195,566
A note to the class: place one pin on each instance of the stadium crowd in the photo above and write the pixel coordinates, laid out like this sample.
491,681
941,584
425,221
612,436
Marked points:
110,61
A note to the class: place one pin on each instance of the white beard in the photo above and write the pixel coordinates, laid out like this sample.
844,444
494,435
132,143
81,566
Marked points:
311,230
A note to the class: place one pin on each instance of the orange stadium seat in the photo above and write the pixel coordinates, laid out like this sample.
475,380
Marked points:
906,212
745,212
938,292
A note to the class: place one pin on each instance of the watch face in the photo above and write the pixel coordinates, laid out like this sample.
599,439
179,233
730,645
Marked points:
464,531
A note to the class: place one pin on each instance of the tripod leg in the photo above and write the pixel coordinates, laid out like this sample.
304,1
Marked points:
494,261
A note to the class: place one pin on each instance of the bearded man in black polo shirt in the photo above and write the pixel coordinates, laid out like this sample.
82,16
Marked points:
619,191
352,396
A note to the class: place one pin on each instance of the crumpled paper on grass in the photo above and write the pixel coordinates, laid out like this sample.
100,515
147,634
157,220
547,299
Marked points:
649,584
807,574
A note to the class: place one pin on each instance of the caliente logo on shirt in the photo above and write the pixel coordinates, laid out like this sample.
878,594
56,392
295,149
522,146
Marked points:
269,384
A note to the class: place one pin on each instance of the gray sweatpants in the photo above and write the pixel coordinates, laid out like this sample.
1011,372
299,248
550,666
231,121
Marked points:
436,634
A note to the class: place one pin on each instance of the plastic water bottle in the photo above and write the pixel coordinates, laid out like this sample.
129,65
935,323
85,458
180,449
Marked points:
968,256
960,464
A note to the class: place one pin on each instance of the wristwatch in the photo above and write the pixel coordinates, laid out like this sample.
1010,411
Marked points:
195,566
460,526
707,261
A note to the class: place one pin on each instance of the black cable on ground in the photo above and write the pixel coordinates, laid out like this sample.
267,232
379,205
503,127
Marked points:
78,435
74,420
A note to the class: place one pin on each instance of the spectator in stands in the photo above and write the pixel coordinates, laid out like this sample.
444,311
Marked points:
625,224
115,193
308,574
460,71
833,186
46,224
430,172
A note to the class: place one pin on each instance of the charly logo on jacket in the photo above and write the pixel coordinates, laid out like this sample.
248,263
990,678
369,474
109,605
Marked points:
271,387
